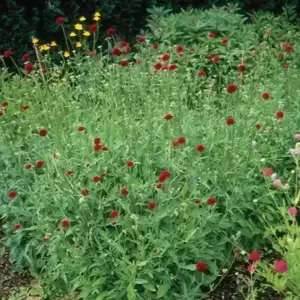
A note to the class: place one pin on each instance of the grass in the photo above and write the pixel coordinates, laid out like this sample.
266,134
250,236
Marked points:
78,232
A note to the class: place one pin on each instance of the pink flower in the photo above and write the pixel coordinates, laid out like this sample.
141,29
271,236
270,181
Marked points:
251,268
254,256
277,183
280,266
267,171
292,211
297,136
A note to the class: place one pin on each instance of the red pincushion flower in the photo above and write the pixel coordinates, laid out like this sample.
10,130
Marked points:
172,67
113,214
85,192
212,35
155,46
267,171
104,148
181,140
141,39
168,117
39,164
16,227
43,132
158,185
216,59
97,141
59,20
241,68
201,267
4,103
65,223
93,28
57,229
80,128
257,126
164,175
12,194
288,48
211,201
69,172
236,250
265,96
97,147
25,57
29,68
151,205
92,54
110,31
164,67
116,51
124,63
231,88
279,114
96,179
124,191
25,107
174,144
280,266
157,66
201,73
200,148
179,48
8,53
254,256
1,113
28,166
230,121
224,41
165,57
130,164
198,201
124,44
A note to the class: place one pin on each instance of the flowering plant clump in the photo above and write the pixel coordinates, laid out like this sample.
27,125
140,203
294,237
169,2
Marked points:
137,172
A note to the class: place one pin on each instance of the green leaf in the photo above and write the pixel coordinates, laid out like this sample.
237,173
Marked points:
162,290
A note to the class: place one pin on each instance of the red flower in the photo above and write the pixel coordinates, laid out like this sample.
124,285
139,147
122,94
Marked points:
124,191
113,214
80,128
231,88
201,73
96,179
130,164
110,31
85,192
179,48
65,223
102,175
165,57
224,41
164,175
1,113
168,117
286,66
211,201
124,44
116,51
172,67
155,46
192,49
45,238
141,39
138,61
25,57
57,229
212,35
69,172
200,148
181,140
279,114
127,49
8,53
124,63
4,103
254,256
151,205
265,96
241,68
44,70
25,107
97,141
158,185
93,28
157,66
267,171
104,148
59,20
92,53
257,126
236,250
29,68
97,147
39,164
43,132
281,266
197,201
12,194
230,121
216,59
288,48
16,227
201,267
28,166
251,268
174,143
164,67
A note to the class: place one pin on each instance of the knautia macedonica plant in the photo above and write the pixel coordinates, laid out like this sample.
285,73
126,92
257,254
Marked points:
134,174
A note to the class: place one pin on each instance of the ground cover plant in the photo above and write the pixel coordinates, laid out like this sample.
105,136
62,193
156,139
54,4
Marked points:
141,172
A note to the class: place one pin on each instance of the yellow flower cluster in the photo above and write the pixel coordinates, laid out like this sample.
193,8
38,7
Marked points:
97,16
45,47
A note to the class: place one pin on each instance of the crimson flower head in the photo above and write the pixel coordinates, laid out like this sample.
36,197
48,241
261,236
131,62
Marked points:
200,148
93,28
110,31
141,39
155,46
168,117
4,103
43,132
113,214
8,53
85,192
279,114
211,201
241,68
39,164
65,223
175,143
236,250
124,44
224,41
116,51
280,266
201,267
164,175
68,172
96,179
80,128
267,171
157,66
179,48
127,49
12,194
181,140
257,126
29,68
92,54
266,96
231,88
104,148
165,57
97,140
25,57
230,121
25,107
254,256
216,59
158,185
201,73
288,48
251,268
1,113
130,164
28,166
59,20
16,227
124,63
151,205
124,191
172,67
97,147
197,201
212,35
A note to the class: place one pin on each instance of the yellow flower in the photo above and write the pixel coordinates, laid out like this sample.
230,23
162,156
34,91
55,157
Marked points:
53,44
78,27
97,14
54,74
66,54
78,44
86,33
81,19
35,40
72,33
44,47
96,18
